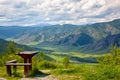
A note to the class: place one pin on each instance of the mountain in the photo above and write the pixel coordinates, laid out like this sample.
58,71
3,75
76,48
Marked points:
84,35
4,44
103,45
67,34
76,40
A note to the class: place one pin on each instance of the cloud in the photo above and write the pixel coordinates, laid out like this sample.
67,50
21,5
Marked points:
29,12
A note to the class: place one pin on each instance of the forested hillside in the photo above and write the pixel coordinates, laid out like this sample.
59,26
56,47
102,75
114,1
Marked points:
103,45
4,46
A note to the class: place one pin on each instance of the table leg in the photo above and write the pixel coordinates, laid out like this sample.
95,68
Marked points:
25,68
30,67
9,70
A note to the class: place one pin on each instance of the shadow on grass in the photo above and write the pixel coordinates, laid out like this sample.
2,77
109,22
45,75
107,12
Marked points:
38,73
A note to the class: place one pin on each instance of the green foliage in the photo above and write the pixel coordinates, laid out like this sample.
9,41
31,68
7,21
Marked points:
113,58
42,56
90,72
47,65
11,48
109,72
109,66
66,61
75,69
9,54
35,72
115,55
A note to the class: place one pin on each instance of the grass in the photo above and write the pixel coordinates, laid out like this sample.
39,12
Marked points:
3,73
74,56
57,58
74,72
60,51
89,72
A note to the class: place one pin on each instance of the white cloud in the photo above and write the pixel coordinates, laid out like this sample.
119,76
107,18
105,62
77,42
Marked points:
29,12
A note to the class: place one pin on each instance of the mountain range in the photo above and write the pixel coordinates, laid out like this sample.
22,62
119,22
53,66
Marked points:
104,44
96,37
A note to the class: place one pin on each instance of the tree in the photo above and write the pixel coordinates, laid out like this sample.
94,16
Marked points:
66,61
42,56
9,54
12,49
113,58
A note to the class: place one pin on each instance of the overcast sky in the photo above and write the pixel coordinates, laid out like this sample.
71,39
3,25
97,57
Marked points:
34,12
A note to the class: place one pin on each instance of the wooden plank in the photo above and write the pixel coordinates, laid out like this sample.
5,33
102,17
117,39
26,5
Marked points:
18,64
12,61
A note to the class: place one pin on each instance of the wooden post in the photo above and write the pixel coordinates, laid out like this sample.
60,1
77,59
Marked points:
9,70
30,67
25,68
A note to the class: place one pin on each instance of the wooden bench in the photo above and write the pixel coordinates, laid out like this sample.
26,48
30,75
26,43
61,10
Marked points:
9,67
15,64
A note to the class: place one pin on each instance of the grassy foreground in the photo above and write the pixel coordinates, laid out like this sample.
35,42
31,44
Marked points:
88,72
107,68
73,72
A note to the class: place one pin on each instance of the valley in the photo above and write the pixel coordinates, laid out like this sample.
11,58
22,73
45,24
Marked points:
74,36
82,43
84,47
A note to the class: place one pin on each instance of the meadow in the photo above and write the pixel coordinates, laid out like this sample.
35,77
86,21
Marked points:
63,67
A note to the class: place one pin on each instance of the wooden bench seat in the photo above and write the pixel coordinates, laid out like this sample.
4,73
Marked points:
18,64
14,63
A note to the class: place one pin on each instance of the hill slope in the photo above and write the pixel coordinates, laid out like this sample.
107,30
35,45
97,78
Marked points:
76,40
103,45
4,44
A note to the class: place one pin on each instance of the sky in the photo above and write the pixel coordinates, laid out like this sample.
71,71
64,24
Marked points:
38,12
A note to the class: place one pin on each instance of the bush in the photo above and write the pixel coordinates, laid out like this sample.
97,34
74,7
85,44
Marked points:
112,59
73,71
47,65
35,71
110,66
66,61
109,72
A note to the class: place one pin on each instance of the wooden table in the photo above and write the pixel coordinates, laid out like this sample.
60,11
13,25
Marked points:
27,56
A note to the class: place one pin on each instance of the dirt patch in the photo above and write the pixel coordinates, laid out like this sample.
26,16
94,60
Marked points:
41,77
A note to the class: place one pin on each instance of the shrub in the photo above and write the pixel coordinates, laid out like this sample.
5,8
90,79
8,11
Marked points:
112,59
66,61
35,71
109,72
47,65
106,72
110,66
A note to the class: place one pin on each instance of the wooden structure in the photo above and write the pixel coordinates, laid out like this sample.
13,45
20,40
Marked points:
27,56
9,66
